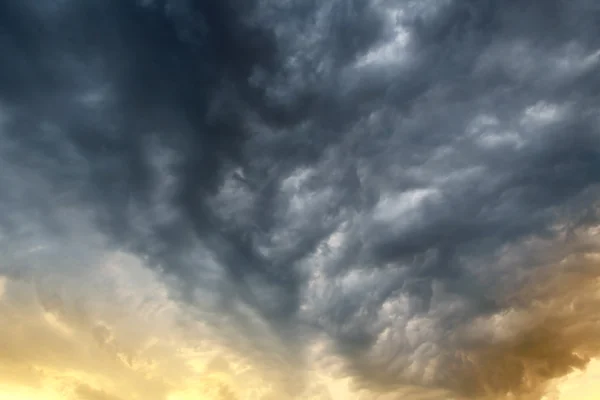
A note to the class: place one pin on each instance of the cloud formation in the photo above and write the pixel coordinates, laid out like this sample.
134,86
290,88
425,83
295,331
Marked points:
403,195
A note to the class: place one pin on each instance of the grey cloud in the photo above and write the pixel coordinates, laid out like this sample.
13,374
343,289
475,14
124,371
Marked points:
352,168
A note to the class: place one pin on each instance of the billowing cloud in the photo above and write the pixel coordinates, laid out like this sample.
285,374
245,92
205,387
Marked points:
340,198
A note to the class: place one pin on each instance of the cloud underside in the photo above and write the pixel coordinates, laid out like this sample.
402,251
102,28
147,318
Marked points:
399,195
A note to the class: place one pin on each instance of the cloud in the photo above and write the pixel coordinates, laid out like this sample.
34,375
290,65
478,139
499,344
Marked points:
375,176
87,393
121,335
548,331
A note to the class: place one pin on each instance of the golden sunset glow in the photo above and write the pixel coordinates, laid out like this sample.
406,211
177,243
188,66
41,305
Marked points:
54,348
580,385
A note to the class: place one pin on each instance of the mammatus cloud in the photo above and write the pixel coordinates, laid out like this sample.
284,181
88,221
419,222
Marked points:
333,199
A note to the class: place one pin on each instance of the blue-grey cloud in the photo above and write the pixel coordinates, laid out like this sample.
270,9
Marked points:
355,170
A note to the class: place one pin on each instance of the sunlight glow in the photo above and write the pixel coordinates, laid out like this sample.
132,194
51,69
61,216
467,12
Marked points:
581,385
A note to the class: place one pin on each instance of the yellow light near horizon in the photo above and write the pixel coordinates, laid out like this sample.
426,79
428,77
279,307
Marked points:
581,385
22,393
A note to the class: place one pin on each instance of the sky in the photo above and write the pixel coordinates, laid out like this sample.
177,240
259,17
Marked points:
299,200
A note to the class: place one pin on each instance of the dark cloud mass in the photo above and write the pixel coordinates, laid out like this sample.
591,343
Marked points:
380,174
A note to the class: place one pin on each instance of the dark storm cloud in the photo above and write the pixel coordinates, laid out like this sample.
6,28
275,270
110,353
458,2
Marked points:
333,159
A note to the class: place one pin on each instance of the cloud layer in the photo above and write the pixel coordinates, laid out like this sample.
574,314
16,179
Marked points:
399,195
